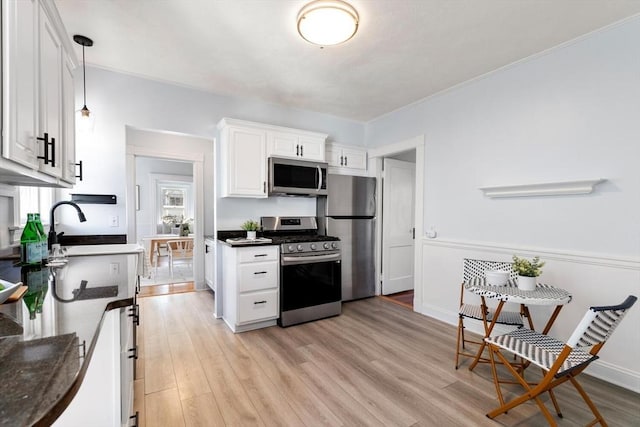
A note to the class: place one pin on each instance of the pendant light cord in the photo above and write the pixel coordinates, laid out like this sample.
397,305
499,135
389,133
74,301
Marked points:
84,79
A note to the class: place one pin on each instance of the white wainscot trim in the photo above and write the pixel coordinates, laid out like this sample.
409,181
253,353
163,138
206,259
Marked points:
543,189
592,278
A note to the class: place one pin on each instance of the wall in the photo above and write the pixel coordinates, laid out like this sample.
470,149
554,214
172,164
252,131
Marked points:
117,100
570,113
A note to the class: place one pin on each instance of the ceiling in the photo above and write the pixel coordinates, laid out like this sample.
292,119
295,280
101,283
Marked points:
405,50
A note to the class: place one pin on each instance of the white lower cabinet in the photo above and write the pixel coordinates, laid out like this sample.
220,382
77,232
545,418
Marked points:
105,397
251,287
211,275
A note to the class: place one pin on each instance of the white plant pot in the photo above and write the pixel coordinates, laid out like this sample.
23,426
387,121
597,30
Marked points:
526,283
251,235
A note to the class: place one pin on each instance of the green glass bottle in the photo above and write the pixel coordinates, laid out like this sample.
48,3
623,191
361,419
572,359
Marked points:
31,278
44,251
30,243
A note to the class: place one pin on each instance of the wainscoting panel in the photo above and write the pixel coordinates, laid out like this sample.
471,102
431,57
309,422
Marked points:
593,279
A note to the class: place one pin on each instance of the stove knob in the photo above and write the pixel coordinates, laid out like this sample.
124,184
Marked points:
290,248
334,245
299,247
313,247
326,246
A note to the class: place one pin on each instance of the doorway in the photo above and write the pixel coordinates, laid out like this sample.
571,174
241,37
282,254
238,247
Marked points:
165,218
194,152
399,168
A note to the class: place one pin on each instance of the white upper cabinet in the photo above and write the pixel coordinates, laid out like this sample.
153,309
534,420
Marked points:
69,124
301,146
19,81
37,96
246,146
346,159
244,154
50,126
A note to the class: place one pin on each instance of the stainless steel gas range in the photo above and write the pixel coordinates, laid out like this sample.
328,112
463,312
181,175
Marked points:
310,269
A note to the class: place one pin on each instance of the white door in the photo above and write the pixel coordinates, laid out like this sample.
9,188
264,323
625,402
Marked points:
397,226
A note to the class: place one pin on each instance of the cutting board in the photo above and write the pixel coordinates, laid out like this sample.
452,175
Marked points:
16,295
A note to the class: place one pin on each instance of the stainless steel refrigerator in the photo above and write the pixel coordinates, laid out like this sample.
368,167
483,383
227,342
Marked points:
349,212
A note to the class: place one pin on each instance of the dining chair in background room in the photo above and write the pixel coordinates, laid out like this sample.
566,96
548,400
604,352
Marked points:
179,250
476,268
560,361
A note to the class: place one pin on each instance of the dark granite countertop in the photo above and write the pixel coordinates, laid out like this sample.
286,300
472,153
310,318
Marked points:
42,356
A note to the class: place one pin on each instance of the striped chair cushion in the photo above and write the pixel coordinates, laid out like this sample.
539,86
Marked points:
505,317
539,349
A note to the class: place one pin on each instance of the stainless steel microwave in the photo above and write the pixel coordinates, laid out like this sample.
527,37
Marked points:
290,177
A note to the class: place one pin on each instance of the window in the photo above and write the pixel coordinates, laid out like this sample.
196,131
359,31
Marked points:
173,208
34,200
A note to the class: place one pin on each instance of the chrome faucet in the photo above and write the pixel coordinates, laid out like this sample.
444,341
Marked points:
53,237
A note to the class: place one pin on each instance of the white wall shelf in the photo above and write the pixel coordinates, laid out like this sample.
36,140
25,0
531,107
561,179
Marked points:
544,189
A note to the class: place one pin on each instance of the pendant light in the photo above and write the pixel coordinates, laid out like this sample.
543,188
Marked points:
327,22
84,42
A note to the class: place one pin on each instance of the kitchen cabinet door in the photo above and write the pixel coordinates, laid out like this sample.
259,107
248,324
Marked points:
346,159
51,60
68,124
283,144
209,263
245,159
312,148
19,81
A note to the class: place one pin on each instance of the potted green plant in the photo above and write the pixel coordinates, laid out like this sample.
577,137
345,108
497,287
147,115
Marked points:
250,226
528,271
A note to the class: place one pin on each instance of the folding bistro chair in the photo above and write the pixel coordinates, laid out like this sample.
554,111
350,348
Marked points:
476,268
560,361
179,250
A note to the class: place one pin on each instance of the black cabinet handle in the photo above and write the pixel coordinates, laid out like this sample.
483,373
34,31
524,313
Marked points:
135,417
297,150
264,186
45,157
301,150
134,350
259,255
135,313
259,302
79,164
341,161
345,160
206,249
260,272
53,152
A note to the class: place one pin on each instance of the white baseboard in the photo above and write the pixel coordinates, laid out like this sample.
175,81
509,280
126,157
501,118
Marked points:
613,374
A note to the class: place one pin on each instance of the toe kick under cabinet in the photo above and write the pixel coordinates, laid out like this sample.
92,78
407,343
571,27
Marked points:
251,287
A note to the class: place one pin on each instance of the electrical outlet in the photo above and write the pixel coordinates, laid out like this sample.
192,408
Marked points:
113,222
114,268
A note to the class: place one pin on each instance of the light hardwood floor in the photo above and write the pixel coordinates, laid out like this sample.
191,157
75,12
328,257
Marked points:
378,364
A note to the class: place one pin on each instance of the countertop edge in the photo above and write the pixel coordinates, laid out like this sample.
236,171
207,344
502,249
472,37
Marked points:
63,402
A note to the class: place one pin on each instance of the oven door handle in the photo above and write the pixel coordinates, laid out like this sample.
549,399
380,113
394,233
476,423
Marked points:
291,260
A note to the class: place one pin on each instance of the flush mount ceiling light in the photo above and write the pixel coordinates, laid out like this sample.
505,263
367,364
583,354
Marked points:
84,42
327,22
